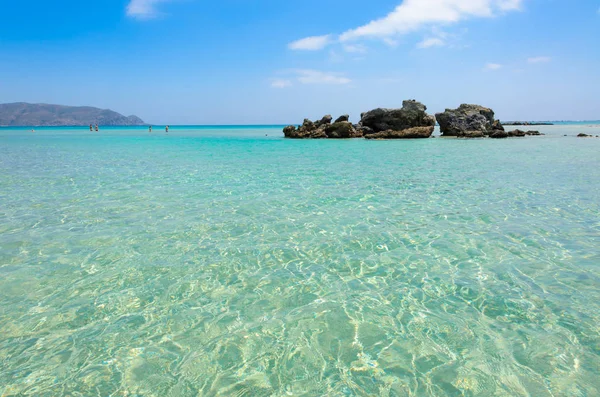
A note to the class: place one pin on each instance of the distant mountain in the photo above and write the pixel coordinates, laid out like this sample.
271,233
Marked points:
41,114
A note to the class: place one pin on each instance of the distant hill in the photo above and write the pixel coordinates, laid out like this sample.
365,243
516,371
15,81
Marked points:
41,114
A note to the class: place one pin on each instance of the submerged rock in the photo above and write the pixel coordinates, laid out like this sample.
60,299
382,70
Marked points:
499,134
412,114
517,133
468,121
409,133
582,135
471,134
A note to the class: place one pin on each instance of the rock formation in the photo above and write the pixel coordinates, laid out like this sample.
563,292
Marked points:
468,121
322,129
411,121
389,123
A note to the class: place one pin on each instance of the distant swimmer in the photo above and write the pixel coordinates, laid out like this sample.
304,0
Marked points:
96,127
167,129
91,128
32,130
150,129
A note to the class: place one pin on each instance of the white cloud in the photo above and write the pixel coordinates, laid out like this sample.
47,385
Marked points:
312,43
493,66
391,42
308,76
281,83
143,9
539,59
355,48
412,15
431,42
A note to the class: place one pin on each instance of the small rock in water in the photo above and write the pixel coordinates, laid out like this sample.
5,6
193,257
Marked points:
499,134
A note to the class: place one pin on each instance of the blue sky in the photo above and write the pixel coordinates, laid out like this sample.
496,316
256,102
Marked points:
268,61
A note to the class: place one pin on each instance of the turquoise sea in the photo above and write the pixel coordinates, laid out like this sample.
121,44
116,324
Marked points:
228,261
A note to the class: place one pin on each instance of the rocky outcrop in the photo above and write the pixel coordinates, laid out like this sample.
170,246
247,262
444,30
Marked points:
308,129
412,114
468,121
342,129
411,121
409,133
322,129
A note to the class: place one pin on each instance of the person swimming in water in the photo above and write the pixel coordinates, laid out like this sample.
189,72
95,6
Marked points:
96,127
167,129
150,128
91,128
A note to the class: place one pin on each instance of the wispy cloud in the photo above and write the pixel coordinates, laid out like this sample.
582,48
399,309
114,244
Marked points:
281,83
414,15
312,43
143,9
308,76
431,42
493,66
355,48
539,59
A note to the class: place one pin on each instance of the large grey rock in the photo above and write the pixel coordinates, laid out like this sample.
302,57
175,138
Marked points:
342,129
412,114
343,117
468,121
409,133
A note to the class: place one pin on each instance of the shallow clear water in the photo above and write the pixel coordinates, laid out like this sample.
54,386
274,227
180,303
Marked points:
223,262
